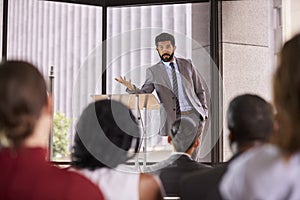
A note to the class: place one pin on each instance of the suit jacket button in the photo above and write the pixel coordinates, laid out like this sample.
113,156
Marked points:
174,109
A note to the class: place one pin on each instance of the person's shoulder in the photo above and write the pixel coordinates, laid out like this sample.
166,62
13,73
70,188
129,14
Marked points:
77,185
198,165
84,187
183,60
157,168
250,167
156,68
158,64
261,155
201,183
68,174
202,165
206,173
185,164
150,187
148,179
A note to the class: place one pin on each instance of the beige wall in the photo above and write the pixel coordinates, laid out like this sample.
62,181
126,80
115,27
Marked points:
247,51
291,16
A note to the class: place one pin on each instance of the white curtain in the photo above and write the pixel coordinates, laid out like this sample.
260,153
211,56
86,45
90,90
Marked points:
60,35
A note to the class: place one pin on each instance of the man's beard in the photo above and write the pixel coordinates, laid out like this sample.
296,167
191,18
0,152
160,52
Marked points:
167,59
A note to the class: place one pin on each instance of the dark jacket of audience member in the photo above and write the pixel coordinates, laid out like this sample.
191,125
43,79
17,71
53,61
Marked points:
25,121
250,123
184,138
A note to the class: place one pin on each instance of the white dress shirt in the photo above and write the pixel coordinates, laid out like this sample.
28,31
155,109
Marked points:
183,99
262,174
114,184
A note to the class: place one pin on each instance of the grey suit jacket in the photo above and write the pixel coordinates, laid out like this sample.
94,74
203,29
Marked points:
157,79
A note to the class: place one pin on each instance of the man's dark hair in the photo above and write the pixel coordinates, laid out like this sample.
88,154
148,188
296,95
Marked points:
184,132
113,122
249,118
164,37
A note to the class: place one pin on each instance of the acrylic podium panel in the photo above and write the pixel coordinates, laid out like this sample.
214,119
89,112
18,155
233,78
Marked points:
147,101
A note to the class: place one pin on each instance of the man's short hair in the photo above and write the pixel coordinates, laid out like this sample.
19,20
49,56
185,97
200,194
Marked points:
184,132
164,37
250,117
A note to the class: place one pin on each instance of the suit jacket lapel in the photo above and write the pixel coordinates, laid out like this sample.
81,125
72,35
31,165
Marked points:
162,77
183,71
184,74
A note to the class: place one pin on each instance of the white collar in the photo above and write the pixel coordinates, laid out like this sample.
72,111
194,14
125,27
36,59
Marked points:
168,63
181,153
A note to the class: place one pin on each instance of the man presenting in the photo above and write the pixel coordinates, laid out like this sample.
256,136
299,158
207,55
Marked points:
177,84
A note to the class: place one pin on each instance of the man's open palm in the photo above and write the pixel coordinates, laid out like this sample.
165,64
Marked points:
126,83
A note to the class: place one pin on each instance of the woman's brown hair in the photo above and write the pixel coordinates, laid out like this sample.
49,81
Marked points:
286,88
23,93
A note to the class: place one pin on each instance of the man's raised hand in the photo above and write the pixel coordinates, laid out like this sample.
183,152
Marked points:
126,83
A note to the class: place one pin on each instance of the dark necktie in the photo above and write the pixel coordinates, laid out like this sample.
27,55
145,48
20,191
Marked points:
175,88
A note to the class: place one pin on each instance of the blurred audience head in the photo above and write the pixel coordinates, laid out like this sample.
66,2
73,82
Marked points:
286,89
105,134
250,120
184,134
23,95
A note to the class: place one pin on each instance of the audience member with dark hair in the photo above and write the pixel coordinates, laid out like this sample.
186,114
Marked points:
250,123
272,171
106,131
25,120
184,137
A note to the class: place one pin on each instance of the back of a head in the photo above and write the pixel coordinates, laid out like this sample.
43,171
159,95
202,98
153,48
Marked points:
286,89
250,118
184,132
164,37
106,131
23,94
